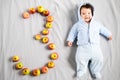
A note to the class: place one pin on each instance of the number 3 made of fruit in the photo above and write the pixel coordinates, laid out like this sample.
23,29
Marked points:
45,40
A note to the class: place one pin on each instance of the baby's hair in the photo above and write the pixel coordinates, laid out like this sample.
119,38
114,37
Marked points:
88,5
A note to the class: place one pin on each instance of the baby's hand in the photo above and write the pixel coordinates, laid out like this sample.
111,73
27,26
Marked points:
69,43
110,38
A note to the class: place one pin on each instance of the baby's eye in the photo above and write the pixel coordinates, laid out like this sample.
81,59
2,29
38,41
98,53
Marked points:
89,13
83,13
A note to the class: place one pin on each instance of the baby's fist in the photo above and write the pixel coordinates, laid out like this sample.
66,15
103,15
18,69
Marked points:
110,38
69,43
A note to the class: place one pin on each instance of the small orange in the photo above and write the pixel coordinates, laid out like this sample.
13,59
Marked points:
45,39
50,18
38,37
45,32
32,10
26,15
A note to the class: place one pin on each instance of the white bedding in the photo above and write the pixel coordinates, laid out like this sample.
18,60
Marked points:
16,38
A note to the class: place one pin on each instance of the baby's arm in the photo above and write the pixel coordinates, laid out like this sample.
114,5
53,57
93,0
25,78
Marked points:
72,35
105,32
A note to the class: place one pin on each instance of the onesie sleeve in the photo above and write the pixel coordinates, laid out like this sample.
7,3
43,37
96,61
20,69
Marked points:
105,32
72,34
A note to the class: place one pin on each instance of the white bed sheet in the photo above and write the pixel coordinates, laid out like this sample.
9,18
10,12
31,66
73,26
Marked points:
16,38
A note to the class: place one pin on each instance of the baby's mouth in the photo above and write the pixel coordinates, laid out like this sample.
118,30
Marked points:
87,18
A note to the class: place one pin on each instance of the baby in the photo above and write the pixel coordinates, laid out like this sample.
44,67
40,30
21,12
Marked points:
88,31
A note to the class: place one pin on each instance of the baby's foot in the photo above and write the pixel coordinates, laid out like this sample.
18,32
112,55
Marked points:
97,76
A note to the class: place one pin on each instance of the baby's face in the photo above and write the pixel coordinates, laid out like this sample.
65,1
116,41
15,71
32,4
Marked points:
86,14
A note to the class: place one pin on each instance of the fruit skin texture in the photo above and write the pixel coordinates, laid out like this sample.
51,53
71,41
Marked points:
51,46
19,65
26,15
45,40
32,10
44,69
54,56
26,71
46,12
51,64
40,9
36,72
37,37
50,18
15,58
45,32
48,25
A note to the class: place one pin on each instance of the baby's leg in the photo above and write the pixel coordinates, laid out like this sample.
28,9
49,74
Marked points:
82,59
96,61
81,67
95,67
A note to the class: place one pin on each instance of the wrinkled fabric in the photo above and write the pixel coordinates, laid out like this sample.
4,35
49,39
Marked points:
16,38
